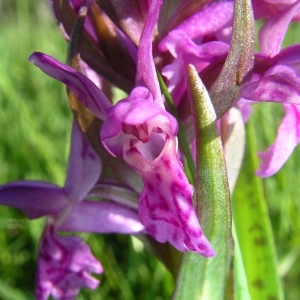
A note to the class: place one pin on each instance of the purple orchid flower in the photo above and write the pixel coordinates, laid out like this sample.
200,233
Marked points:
65,263
139,129
275,74
277,78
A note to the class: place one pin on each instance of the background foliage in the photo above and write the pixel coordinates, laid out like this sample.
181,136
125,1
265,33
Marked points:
35,124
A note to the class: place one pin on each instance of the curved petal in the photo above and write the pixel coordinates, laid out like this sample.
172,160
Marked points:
84,89
288,136
208,20
279,84
185,52
264,9
84,166
273,31
34,198
290,57
102,217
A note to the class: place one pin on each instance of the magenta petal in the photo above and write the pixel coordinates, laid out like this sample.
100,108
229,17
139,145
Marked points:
279,84
102,217
137,109
288,136
34,198
290,57
208,20
185,51
146,74
165,205
272,32
84,89
84,166
64,265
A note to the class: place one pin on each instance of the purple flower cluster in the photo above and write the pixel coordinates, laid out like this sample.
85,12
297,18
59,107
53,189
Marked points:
124,43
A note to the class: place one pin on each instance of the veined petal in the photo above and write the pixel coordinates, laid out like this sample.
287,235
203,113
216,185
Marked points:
102,217
165,205
290,57
272,32
64,265
34,198
208,20
185,52
84,166
279,84
84,89
288,137
265,9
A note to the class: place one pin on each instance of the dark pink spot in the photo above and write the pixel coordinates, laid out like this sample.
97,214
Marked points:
133,150
167,163
189,245
158,177
179,175
152,230
202,247
147,202
163,205
180,189
174,237
150,187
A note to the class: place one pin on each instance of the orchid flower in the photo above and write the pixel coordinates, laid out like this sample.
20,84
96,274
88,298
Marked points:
65,263
277,79
275,74
139,129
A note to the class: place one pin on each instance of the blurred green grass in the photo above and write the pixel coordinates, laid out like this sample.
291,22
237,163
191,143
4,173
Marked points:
35,124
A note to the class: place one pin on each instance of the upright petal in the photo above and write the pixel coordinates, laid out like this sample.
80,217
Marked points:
146,75
84,166
273,31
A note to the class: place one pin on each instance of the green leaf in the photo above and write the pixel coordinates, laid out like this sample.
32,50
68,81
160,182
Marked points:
241,291
253,229
199,277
